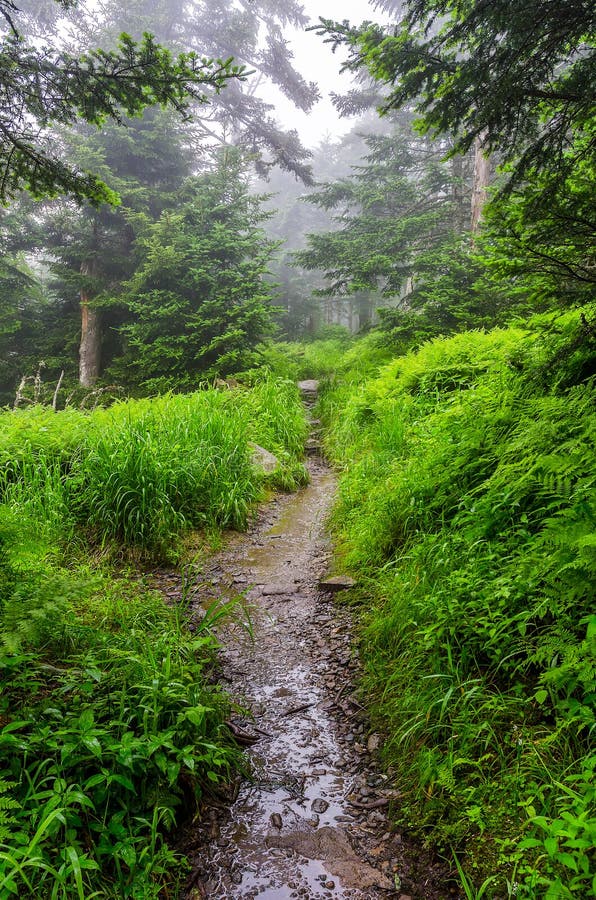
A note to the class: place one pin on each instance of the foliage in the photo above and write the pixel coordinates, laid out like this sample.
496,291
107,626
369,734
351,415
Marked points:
43,86
520,78
144,472
197,301
293,217
467,507
108,731
22,310
541,241
515,82
143,158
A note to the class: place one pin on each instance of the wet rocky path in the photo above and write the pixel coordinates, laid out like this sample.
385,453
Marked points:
311,821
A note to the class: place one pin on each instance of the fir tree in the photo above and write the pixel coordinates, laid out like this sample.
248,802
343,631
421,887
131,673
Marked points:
198,302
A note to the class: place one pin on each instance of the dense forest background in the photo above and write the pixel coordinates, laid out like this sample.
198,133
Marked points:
164,239
383,222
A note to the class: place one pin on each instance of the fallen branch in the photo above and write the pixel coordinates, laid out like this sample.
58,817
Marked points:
342,690
242,737
296,709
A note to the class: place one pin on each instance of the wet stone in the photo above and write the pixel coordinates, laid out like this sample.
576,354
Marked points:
337,583
275,590
319,805
308,386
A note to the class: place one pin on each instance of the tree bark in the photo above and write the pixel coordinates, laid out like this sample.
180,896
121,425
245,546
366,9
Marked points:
459,210
481,181
90,347
365,312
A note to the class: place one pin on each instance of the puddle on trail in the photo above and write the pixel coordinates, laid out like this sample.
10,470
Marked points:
287,833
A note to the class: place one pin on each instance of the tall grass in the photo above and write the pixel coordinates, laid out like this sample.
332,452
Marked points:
468,508
154,472
143,472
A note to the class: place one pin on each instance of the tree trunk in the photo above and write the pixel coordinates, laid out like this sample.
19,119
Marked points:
90,347
459,210
365,312
481,181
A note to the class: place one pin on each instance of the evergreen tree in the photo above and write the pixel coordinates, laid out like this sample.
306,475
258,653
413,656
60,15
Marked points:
148,158
543,243
92,247
198,300
293,217
393,214
513,80
43,86
252,33
520,77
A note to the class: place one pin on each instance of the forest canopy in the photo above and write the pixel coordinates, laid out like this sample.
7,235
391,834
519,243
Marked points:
519,77
44,86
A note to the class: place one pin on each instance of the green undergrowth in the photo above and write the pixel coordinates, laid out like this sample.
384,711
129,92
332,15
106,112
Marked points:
111,728
109,734
327,357
143,472
467,509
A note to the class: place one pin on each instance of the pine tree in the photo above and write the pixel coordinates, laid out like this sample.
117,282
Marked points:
198,301
43,86
519,77
391,214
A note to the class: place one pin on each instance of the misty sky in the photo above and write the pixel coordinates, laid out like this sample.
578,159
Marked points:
317,63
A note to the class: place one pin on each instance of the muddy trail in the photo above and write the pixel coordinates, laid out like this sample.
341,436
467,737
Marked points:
311,819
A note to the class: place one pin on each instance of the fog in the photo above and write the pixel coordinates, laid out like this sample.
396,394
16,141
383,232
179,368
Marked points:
315,61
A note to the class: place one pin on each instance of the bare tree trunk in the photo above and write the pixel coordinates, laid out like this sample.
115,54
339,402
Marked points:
57,391
459,211
365,312
481,181
90,347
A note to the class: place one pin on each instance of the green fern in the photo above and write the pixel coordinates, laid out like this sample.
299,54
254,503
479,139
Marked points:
7,803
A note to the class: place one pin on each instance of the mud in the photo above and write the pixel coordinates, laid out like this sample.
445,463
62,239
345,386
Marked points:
311,820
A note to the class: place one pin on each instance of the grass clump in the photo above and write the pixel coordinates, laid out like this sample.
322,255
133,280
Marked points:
468,507
143,472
